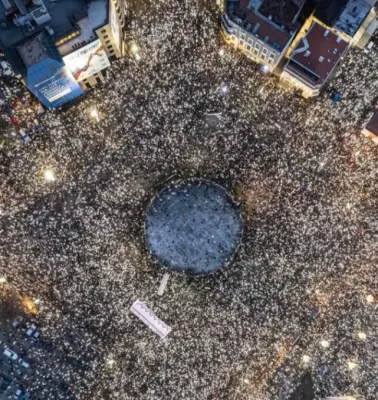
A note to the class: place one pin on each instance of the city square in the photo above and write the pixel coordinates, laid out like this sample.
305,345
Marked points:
289,313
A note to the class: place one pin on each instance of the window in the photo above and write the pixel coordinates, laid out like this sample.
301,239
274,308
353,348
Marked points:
106,36
98,80
270,61
107,42
258,46
87,85
241,42
103,31
263,57
265,51
249,48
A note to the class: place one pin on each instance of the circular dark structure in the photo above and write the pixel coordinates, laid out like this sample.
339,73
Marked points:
193,226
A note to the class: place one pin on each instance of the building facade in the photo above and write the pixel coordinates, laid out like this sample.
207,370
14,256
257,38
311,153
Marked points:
260,29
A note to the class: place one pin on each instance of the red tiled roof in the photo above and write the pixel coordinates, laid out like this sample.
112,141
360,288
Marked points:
372,125
265,29
325,51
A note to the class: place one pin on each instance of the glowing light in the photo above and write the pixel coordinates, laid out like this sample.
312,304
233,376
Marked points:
111,362
306,359
221,52
134,48
325,343
361,335
137,57
225,89
265,69
3,280
352,365
94,114
49,175
29,305
370,298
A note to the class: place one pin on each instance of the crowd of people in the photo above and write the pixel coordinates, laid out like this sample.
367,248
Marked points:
300,297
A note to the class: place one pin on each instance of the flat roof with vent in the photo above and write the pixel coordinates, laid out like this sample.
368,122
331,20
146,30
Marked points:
317,54
59,18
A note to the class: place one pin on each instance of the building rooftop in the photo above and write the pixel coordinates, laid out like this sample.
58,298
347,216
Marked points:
316,55
97,16
242,13
59,17
372,125
282,12
344,15
353,15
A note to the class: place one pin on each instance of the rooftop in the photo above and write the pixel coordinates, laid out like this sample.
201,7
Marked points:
344,15
282,12
241,12
97,15
372,125
316,55
62,20
352,17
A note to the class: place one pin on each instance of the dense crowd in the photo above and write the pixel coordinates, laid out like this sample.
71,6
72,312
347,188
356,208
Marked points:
300,297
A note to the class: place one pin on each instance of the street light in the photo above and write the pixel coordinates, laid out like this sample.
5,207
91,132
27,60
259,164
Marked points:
221,52
3,280
134,48
325,343
49,175
225,89
352,365
306,359
94,114
361,335
370,298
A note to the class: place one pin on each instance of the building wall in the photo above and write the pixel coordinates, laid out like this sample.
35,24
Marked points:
253,47
287,79
105,35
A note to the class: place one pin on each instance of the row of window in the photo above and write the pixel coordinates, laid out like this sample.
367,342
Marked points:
256,50
67,38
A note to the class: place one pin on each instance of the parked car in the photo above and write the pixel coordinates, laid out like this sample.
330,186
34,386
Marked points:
33,328
36,334
17,322
23,363
11,354
6,69
18,394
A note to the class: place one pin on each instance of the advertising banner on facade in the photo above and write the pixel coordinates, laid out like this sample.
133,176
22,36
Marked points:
87,61
114,26
52,83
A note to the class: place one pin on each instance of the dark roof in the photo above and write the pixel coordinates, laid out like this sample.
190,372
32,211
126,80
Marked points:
328,11
62,22
372,125
316,55
282,12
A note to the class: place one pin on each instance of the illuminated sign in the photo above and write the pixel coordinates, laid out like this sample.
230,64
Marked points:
52,83
87,61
